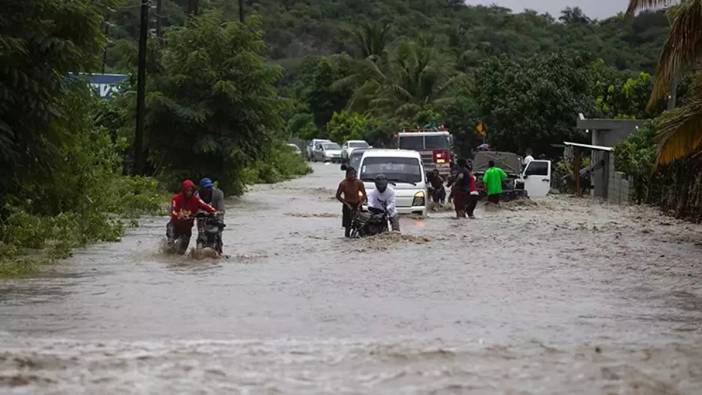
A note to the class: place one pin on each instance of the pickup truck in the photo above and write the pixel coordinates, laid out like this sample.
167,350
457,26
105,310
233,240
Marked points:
532,180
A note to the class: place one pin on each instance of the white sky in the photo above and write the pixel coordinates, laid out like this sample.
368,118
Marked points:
598,9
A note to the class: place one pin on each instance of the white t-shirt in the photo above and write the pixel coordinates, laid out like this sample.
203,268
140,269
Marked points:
383,201
527,160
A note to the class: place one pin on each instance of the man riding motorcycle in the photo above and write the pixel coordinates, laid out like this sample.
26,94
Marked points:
184,206
214,197
383,198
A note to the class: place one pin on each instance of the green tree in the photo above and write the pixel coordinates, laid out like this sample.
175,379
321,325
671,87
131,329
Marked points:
620,94
533,103
324,100
41,42
415,77
215,107
347,125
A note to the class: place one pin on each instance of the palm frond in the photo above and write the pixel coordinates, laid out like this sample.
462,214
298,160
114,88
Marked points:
680,132
637,5
681,49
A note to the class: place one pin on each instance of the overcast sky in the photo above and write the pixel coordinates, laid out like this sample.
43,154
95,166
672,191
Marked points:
598,9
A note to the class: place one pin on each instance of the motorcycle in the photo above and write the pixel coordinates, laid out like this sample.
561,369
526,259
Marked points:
369,223
209,231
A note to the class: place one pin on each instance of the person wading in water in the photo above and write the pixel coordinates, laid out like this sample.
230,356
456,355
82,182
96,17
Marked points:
351,193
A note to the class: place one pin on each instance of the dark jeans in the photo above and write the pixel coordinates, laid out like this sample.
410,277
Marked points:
347,215
472,202
494,198
438,195
179,238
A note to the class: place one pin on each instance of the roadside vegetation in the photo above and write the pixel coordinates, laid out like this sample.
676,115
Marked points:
67,155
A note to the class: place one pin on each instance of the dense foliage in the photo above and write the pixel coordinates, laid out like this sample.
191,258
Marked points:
62,183
213,106
41,42
676,187
532,103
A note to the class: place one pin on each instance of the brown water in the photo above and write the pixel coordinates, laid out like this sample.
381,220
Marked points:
562,296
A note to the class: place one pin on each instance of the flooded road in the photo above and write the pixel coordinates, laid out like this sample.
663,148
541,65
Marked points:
560,296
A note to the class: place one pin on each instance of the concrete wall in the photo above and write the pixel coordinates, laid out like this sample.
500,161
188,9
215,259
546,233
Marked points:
618,186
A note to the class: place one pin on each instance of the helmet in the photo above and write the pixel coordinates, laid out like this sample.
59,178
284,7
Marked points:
206,183
381,182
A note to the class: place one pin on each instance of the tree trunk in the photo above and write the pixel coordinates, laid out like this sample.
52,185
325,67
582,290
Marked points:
193,7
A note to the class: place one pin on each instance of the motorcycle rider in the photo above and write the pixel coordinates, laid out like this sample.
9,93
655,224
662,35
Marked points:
214,197
383,198
211,195
184,206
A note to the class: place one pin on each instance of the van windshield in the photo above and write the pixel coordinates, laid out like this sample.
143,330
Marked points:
405,170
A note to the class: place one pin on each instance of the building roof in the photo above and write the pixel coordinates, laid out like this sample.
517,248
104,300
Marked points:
588,146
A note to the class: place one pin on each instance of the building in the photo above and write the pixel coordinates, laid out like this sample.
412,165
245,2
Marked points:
607,183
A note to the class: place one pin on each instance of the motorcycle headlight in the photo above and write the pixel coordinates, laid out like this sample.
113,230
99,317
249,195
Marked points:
419,199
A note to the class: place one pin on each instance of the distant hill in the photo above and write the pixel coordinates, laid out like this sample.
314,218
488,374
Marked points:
299,28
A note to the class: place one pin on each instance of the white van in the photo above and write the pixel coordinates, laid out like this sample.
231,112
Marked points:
405,173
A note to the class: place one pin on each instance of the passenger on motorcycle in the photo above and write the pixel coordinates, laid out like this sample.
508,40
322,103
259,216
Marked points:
214,197
383,198
184,207
211,195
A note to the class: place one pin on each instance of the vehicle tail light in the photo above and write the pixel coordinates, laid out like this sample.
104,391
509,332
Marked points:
442,156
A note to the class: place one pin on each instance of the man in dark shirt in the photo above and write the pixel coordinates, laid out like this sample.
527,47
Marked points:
351,193
213,196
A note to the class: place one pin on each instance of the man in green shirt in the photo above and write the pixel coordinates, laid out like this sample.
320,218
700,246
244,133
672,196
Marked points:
493,178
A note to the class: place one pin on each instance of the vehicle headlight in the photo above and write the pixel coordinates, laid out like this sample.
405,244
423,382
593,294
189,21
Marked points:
419,199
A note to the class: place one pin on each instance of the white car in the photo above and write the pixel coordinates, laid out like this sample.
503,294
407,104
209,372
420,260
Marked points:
294,148
327,152
405,173
351,145
313,146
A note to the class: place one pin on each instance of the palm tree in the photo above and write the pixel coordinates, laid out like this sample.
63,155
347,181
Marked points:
681,129
371,38
414,77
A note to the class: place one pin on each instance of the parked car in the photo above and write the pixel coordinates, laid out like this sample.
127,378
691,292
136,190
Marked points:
405,172
354,160
313,145
295,148
327,152
351,145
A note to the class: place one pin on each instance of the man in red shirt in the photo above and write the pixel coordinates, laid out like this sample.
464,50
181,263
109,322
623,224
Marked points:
184,206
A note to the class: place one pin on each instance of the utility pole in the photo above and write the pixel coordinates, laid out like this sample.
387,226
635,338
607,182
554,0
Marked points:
241,11
141,90
193,7
159,8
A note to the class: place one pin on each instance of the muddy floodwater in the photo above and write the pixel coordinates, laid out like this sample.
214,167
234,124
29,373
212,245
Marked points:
559,296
